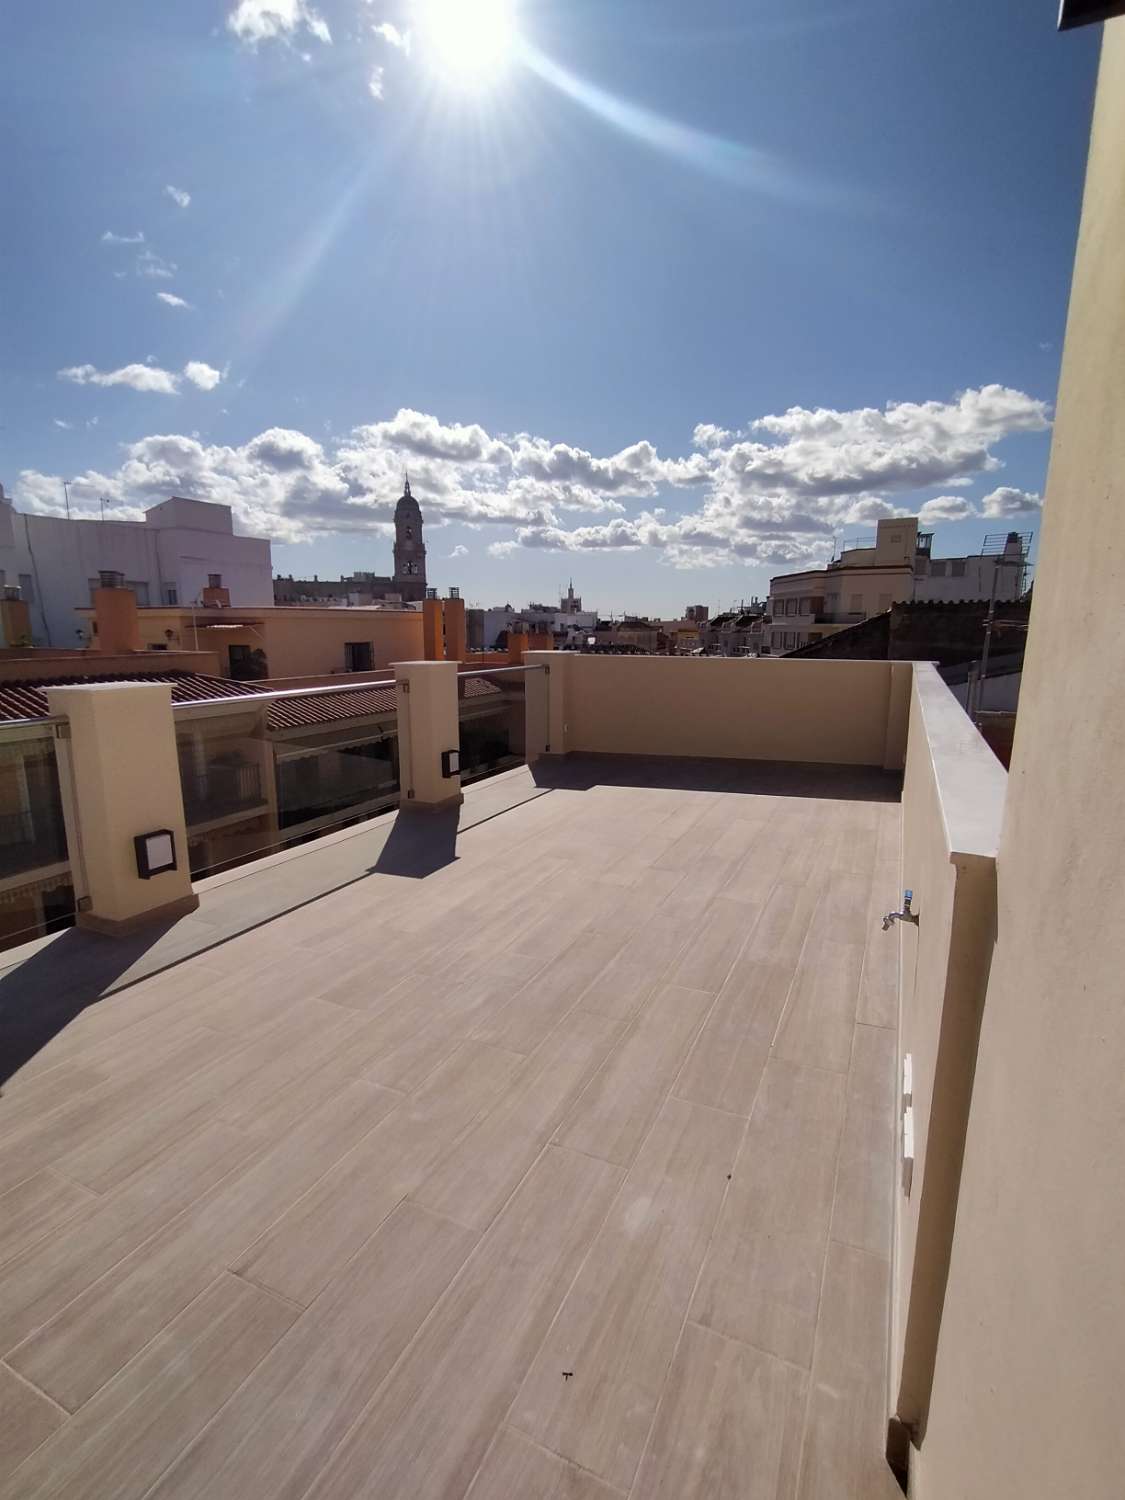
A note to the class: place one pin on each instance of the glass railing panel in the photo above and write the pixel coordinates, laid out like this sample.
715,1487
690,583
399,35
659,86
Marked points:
269,774
36,890
491,708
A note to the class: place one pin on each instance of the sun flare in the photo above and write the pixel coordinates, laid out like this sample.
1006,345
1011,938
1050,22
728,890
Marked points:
467,42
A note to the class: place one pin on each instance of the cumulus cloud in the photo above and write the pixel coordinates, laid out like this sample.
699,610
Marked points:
171,300
810,476
946,508
459,551
1006,502
146,377
178,196
375,83
254,21
137,377
109,238
205,376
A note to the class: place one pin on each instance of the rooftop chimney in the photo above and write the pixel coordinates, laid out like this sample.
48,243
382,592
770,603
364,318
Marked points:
215,596
116,625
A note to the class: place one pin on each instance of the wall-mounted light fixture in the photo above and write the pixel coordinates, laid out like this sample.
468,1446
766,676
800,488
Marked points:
156,852
450,763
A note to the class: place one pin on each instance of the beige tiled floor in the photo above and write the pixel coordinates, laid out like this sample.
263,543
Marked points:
547,1158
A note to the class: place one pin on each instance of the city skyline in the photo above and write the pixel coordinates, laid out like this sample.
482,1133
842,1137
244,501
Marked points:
670,328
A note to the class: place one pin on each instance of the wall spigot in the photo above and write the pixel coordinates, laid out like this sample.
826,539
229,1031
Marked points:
905,915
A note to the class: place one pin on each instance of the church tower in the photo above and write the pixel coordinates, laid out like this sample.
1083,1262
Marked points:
410,551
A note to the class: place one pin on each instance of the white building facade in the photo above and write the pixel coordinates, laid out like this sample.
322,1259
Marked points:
168,558
895,568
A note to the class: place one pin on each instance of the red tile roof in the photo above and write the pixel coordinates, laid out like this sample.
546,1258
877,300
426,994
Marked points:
28,699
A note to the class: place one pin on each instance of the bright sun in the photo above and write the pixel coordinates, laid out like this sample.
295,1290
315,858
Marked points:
468,42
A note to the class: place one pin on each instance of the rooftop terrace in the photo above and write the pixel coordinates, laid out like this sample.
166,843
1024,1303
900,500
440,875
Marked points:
540,1149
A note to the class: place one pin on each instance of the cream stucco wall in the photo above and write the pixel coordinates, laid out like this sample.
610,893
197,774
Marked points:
1031,1358
743,709
952,805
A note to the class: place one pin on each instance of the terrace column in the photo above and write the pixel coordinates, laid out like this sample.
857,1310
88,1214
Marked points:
124,805
429,735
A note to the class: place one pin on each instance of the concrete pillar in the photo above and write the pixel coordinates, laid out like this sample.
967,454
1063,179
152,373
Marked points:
456,646
125,776
428,727
433,647
545,694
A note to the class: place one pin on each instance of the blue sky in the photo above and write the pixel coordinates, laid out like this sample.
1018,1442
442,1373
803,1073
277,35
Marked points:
664,300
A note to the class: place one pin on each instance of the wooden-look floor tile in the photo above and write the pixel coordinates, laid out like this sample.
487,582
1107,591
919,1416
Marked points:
846,1426
709,953
618,1327
518,1469
726,1062
539,1006
816,1027
280,1428
729,1425
620,991
86,1343
761,1280
865,1180
316,1237
35,1207
425,1434
122,1439
614,1114
476,1177
27,1419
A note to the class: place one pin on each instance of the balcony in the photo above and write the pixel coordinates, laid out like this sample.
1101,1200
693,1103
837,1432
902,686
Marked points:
543,1144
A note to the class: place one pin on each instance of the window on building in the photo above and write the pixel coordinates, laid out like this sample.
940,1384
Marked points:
214,580
410,533
857,604
27,588
358,656
139,587
957,567
171,594
791,606
937,568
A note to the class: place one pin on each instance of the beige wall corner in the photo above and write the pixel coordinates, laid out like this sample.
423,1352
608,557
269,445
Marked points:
898,715
428,726
126,781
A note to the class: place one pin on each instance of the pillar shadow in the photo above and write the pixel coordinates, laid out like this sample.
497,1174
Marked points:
419,844
42,994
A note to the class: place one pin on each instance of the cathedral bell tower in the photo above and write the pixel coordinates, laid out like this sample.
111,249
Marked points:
410,551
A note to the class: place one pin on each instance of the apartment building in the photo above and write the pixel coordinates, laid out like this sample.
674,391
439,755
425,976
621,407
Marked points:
895,566
169,558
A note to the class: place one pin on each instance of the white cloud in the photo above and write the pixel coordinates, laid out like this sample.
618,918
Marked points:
254,21
459,551
66,426
375,83
151,265
137,377
109,238
178,196
946,508
146,377
171,300
811,475
707,435
1006,502
393,36
205,376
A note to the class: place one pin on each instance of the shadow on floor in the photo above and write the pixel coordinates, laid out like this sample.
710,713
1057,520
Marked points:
763,777
419,843
40,996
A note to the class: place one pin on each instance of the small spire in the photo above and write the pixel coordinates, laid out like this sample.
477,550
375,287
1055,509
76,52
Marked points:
406,482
